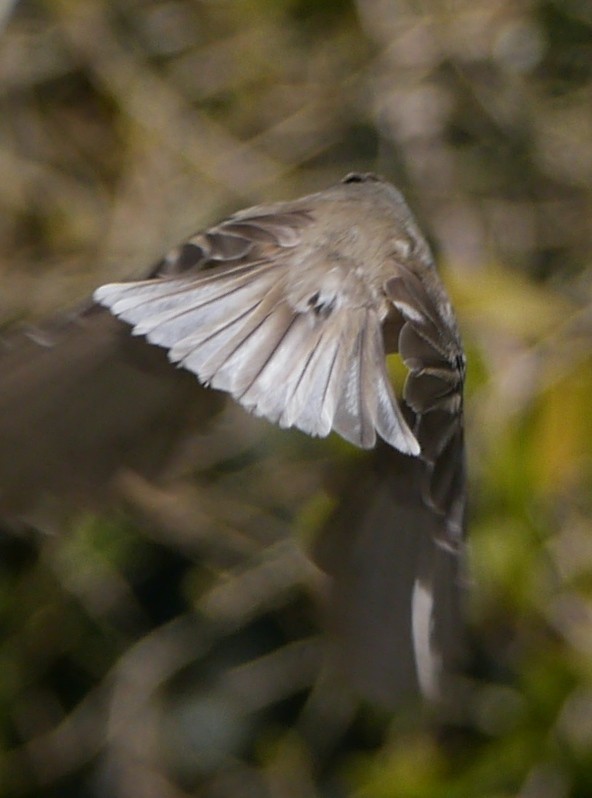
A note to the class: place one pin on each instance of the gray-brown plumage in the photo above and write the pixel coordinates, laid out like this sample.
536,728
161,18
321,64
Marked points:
285,307
290,308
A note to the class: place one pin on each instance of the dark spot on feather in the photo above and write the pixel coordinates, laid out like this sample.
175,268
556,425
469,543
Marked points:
189,256
321,307
362,177
179,260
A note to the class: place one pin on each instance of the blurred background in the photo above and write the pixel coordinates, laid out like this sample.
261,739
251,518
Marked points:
171,647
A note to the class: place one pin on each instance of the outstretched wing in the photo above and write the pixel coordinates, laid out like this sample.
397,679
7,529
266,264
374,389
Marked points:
225,307
430,347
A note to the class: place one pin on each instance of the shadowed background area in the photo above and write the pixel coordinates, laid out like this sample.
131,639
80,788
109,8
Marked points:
170,643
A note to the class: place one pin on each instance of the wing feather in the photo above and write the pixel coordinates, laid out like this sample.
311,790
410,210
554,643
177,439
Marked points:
230,314
150,298
238,333
264,338
279,376
368,404
430,347
356,413
170,328
314,396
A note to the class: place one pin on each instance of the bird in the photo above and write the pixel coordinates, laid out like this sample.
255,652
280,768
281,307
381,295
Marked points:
291,308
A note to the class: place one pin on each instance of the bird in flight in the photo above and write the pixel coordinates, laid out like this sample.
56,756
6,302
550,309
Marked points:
290,308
